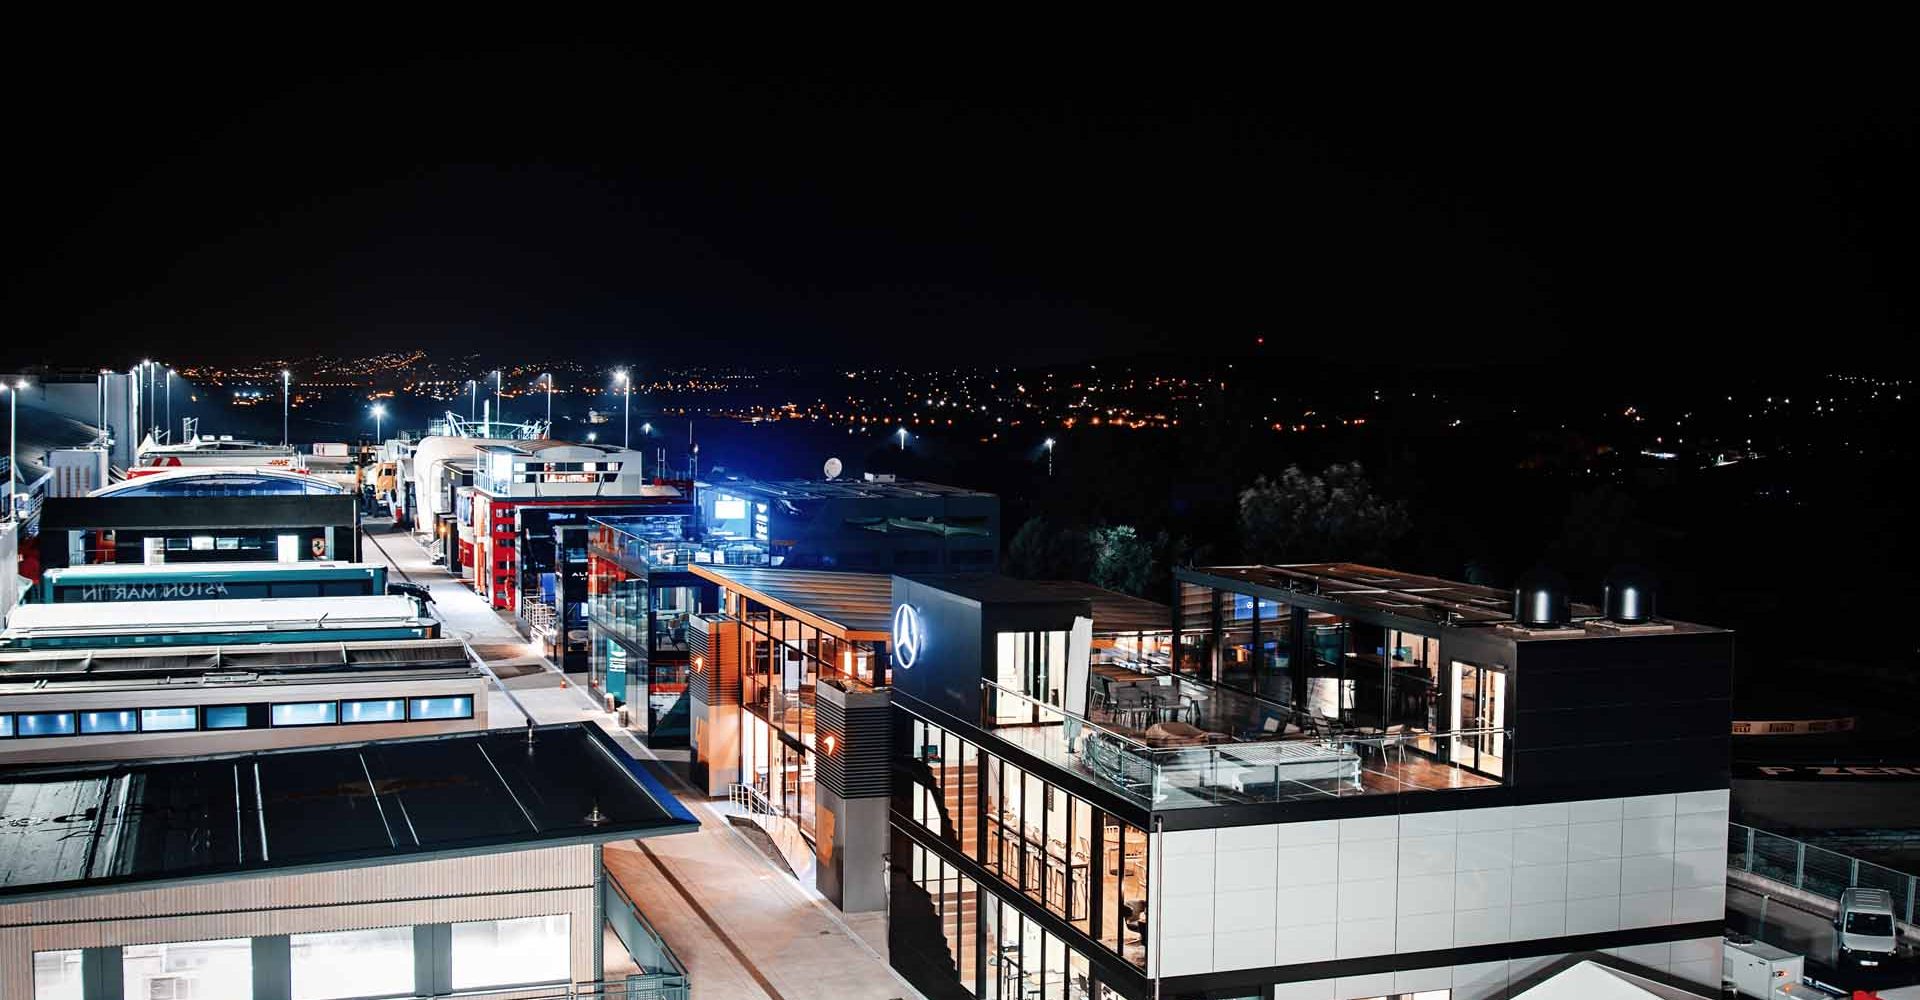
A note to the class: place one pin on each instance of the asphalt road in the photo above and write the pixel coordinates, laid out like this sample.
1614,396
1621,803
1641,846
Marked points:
1811,935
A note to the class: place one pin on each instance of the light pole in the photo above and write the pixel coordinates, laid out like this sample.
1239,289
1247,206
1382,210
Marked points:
286,392
169,403
13,440
549,377
1049,458
496,400
626,415
378,412
903,439
146,391
473,399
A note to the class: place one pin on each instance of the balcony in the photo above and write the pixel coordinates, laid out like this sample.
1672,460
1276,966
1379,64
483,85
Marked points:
1178,765
649,543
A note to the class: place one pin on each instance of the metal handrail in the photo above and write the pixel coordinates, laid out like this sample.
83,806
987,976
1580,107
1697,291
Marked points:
753,801
1815,870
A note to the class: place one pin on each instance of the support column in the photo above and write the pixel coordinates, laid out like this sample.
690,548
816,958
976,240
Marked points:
599,929
852,787
273,968
102,977
713,699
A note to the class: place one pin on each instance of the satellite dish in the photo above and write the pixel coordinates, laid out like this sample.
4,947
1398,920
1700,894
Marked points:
833,468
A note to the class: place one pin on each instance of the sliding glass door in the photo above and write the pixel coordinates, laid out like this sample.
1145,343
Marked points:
1480,703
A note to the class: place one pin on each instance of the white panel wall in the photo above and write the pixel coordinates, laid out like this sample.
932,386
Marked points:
1697,961
1284,894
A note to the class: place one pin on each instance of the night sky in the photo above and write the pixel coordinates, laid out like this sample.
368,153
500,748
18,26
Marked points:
977,206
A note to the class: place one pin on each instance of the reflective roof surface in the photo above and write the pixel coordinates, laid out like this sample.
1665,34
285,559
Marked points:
73,828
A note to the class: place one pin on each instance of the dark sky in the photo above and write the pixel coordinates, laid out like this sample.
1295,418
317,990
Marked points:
976,204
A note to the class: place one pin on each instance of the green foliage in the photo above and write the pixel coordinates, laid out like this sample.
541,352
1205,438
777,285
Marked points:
1040,551
1332,516
1122,560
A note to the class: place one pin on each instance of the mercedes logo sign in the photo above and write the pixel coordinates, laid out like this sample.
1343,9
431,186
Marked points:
907,637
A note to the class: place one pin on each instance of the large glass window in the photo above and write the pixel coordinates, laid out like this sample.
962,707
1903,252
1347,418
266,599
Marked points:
6,725
1365,665
952,897
1480,711
188,970
1273,661
56,975
512,952
1414,704
1237,641
122,721
456,707
341,964
303,713
380,710
226,716
1198,624
167,720
44,724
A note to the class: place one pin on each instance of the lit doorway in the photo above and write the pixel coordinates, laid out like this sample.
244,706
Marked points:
1480,710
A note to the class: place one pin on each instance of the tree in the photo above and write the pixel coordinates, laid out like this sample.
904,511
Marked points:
1040,551
1122,560
1333,516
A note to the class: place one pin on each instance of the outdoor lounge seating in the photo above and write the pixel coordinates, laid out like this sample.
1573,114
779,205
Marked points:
1180,734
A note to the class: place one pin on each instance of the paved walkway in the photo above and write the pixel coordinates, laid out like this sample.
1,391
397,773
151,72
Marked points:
744,929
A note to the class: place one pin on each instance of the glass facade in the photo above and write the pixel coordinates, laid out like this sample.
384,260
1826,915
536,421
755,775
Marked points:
188,970
514,955
952,936
1073,859
56,975
640,602
783,660
348,964
517,952
781,769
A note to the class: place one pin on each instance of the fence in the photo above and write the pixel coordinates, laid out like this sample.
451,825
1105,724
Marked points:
1814,869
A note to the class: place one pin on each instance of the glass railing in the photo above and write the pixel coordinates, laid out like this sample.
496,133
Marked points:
664,548
1176,765
1817,870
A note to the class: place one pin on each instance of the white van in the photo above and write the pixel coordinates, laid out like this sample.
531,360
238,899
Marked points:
1863,927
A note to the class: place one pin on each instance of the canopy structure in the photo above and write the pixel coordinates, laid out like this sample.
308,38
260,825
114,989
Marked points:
853,606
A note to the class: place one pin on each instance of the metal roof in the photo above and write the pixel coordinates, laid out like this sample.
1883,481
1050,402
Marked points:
264,659
200,570
1408,595
855,606
1113,612
828,489
249,613
74,829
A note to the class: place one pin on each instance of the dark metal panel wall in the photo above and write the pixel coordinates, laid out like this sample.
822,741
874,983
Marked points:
858,766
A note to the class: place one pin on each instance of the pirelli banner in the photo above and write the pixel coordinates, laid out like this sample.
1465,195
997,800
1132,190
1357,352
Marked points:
1792,727
1827,772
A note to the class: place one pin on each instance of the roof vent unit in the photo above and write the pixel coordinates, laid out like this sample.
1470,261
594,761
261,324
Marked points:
1540,600
880,477
1628,598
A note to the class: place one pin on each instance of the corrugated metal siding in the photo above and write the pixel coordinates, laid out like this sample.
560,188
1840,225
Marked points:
858,768
523,884
715,639
546,868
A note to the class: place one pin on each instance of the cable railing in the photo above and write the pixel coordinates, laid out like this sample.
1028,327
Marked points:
1814,869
